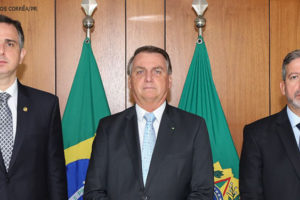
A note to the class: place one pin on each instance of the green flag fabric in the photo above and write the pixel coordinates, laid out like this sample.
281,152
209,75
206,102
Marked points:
86,105
199,96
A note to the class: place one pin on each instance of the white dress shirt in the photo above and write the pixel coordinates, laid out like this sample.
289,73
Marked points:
294,120
12,104
142,122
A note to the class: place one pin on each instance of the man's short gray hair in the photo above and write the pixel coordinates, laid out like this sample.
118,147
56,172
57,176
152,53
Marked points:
288,59
150,49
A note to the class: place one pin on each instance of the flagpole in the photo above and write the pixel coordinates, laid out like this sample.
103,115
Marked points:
88,22
200,22
200,6
199,96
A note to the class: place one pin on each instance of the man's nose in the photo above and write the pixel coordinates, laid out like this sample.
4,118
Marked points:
149,76
2,49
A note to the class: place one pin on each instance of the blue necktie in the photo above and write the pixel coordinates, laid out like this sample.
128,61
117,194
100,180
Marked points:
148,144
6,129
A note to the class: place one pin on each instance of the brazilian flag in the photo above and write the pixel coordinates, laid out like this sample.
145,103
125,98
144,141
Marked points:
86,105
199,96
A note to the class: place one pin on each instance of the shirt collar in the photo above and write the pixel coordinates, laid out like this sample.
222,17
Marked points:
294,119
13,89
157,113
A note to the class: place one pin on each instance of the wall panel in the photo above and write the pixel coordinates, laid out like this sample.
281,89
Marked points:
181,37
108,43
245,50
144,26
285,37
237,41
37,19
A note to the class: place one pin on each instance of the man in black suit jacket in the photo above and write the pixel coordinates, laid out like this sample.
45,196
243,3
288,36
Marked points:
270,159
181,166
35,167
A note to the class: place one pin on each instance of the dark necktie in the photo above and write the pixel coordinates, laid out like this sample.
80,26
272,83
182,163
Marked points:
298,126
6,129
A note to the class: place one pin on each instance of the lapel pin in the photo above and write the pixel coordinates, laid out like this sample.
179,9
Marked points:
173,128
25,109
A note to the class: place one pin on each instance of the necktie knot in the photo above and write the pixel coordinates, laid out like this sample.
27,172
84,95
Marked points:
149,117
4,96
298,126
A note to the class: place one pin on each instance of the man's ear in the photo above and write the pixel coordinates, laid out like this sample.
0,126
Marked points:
129,82
170,81
22,55
282,87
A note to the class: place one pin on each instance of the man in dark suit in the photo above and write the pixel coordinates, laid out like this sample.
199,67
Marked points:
175,163
32,165
270,159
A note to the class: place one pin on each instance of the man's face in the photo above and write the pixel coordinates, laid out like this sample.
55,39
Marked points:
10,54
149,81
291,86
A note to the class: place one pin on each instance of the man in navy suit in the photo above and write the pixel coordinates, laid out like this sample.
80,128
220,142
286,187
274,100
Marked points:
32,165
270,159
181,165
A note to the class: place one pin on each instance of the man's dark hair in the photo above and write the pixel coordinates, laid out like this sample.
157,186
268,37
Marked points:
288,59
17,25
150,49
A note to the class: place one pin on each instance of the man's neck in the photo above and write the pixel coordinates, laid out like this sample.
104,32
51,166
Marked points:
296,111
150,107
6,83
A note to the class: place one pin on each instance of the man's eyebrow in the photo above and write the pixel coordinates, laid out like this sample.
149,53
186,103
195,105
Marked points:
139,67
154,68
292,73
10,40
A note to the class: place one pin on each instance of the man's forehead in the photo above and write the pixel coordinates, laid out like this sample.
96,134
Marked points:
9,30
146,54
294,66
296,61
145,58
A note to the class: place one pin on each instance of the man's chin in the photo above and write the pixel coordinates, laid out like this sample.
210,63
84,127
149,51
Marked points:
296,104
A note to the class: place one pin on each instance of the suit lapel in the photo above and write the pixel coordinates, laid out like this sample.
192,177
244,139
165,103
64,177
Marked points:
2,166
133,144
285,132
165,132
22,117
